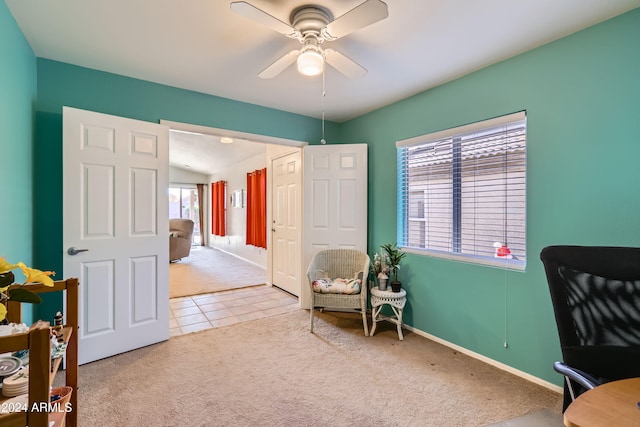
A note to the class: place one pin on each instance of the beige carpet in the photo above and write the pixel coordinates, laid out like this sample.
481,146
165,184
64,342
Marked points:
208,270
273,372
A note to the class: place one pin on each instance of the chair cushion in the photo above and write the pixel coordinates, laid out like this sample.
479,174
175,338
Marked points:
337,286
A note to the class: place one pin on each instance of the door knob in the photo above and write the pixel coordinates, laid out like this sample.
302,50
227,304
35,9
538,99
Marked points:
75,251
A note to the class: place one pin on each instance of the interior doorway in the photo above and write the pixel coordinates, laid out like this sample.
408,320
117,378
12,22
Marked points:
201,138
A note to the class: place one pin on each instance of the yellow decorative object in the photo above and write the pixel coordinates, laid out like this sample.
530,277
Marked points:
36,276
5,267
32,276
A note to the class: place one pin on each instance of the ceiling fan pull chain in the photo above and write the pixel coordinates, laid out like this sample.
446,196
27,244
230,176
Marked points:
323,141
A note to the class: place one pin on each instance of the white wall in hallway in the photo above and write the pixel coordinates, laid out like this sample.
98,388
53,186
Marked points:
234,241
183,176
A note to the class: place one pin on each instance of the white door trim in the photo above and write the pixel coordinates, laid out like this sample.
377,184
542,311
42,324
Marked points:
253,137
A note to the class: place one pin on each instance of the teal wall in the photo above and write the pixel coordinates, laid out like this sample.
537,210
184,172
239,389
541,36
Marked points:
61,84
582,98
17,98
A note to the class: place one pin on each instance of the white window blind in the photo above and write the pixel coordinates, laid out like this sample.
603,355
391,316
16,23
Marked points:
462,191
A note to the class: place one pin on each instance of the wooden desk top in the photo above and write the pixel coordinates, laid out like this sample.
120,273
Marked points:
610,404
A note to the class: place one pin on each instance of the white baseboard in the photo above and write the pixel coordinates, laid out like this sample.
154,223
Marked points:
488,360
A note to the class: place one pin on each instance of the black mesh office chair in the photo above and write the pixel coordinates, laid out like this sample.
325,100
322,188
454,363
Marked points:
595,293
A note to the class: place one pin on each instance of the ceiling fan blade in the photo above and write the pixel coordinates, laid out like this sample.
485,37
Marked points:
359,17
343,64
258,15
280,65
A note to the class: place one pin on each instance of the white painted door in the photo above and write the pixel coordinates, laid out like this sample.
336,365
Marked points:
335,200
115,183
286,228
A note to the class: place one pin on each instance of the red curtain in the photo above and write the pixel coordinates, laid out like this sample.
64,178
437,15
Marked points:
218,198
257,208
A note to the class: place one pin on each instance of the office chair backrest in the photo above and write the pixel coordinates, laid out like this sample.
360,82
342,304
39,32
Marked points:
595,293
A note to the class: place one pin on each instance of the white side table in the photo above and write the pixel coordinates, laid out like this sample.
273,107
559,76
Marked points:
396,300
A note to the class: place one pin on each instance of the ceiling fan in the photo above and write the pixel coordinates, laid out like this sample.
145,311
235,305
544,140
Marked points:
312,25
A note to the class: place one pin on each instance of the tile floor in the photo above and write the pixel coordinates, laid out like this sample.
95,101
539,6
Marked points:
200,312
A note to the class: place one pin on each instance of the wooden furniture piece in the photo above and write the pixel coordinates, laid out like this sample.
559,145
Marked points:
396,300
611,404
41,369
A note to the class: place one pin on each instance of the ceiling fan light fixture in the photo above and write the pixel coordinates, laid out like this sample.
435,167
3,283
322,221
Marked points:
312,25
310,63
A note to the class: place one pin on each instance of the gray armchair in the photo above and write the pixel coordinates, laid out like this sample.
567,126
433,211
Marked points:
180,233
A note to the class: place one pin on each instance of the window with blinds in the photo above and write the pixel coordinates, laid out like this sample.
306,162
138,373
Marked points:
462,192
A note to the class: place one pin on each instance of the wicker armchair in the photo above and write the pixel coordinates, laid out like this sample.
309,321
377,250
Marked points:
339,263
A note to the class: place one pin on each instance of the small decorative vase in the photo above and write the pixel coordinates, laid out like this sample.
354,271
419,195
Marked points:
396,286
382,284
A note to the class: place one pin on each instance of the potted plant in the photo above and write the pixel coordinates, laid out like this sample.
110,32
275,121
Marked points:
395,256
380,269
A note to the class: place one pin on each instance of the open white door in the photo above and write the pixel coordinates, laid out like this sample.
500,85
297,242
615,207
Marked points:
115,181
335,201
286,229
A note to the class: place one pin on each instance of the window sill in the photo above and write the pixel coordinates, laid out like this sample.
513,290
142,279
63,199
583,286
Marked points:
509,264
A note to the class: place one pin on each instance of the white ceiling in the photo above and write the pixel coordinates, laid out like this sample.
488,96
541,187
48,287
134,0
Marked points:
205,153
201,45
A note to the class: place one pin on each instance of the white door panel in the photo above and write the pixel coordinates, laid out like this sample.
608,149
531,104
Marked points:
115,181
335,200
143,290
99,296
286,230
